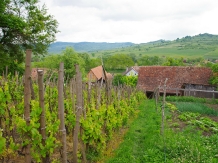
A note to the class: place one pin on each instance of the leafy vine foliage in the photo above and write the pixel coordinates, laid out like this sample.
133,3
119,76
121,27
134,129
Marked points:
104,111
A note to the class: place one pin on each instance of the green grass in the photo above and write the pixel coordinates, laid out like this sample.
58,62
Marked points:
195,108
144,144
143,131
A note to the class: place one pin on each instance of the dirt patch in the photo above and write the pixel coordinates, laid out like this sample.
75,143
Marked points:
176,124
214,118
213,106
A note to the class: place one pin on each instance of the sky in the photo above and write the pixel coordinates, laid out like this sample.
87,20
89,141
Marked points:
136,21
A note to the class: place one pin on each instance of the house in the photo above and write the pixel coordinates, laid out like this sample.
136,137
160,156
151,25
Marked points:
131,71
96,74
151,77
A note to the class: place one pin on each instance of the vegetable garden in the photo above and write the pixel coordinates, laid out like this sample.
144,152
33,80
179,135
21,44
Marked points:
190,135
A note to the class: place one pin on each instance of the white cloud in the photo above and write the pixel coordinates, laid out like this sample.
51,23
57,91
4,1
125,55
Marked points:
133,21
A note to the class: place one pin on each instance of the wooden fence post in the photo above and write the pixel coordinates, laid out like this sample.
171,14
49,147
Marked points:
61,111
6,73
42,116
72,93
78,113
156,97
163,107
98,96
32,90
27,98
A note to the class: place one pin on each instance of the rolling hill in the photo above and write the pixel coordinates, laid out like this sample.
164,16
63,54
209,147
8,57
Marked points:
57,47
202,45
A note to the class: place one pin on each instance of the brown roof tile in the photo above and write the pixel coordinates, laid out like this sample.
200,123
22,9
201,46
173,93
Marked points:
150,77
98,72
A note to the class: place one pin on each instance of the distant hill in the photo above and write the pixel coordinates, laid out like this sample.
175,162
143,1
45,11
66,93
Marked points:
202,45
57,47
199,46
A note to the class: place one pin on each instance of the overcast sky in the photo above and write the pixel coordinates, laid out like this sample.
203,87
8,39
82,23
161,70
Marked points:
136,21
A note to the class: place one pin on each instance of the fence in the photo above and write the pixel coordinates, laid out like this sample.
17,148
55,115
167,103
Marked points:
191,92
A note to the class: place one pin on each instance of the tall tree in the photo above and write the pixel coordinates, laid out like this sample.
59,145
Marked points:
69,57
118,61
173,62
214,77
23,24
149,60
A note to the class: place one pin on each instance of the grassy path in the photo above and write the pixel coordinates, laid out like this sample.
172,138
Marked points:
143,130
144,144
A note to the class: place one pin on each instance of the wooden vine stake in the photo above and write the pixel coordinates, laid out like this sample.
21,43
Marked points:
6,72
78,113
27,98
163,107
42,116
156,94
61,111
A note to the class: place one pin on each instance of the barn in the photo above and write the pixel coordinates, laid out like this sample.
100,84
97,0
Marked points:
179,77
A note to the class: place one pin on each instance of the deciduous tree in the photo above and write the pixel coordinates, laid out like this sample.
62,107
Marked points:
23,24
118,61
214,78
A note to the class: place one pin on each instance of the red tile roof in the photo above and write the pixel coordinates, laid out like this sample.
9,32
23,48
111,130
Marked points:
150,77
98,72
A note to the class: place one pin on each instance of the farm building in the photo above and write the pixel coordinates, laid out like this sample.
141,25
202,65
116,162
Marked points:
151,77
96,74
131,71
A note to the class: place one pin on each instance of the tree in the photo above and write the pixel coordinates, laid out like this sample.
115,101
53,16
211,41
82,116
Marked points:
24,25
50,62
125,80
118,61
149,60
173,62
214,78
117,80
94,62
130,80
69,57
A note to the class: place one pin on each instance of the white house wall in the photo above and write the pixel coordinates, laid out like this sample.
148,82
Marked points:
132,73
